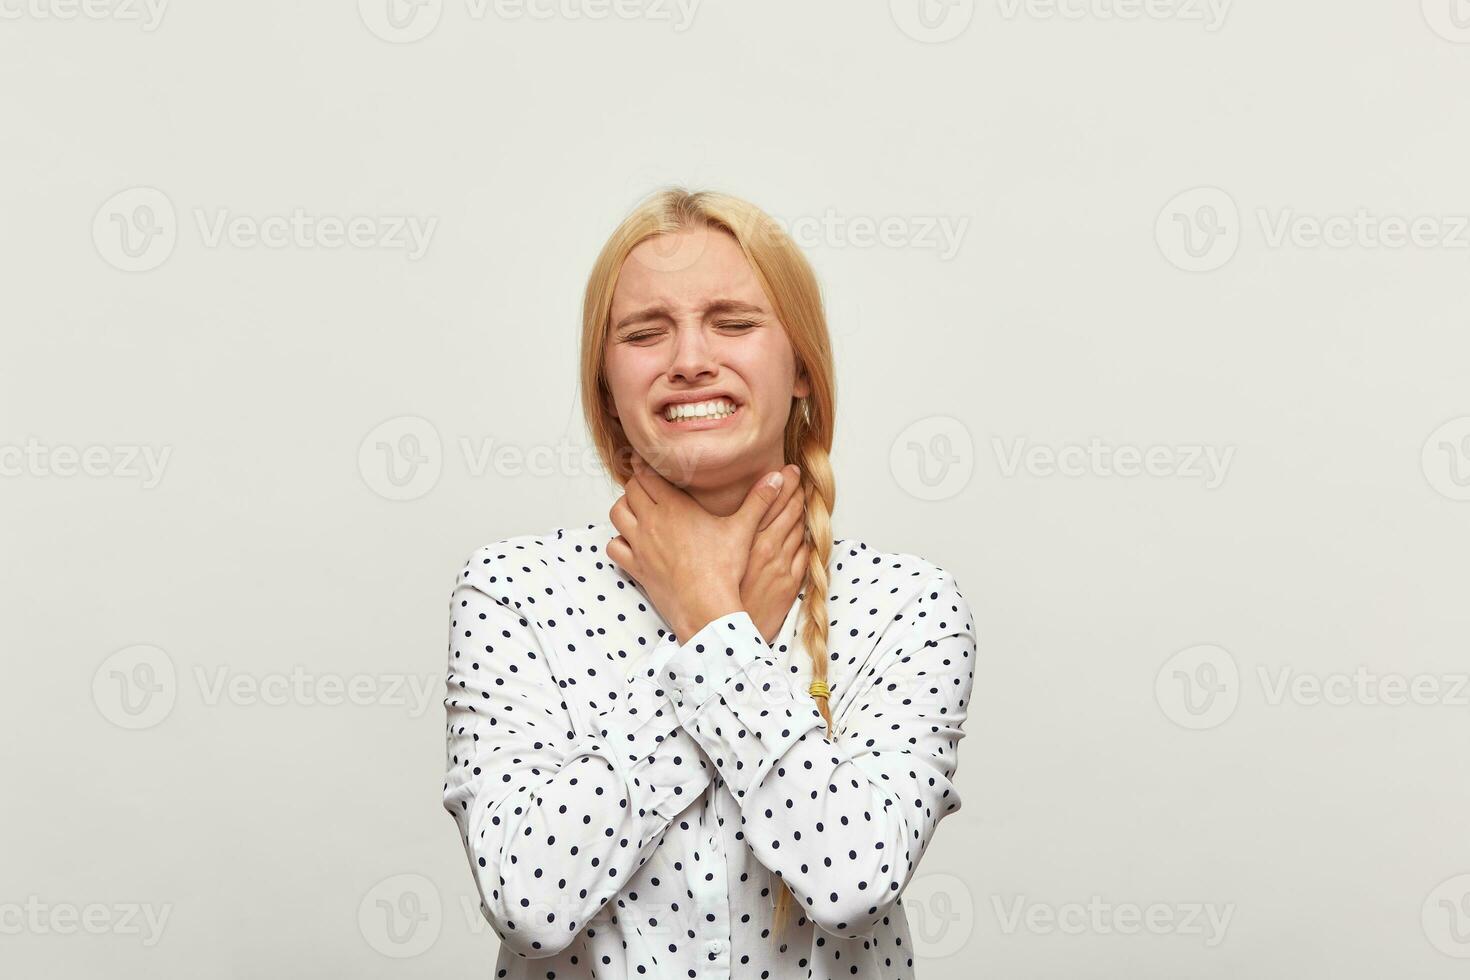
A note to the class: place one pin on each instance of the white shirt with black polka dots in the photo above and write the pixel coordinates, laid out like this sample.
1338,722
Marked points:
630,804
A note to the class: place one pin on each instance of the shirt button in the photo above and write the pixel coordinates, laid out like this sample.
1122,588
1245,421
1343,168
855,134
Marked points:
716,946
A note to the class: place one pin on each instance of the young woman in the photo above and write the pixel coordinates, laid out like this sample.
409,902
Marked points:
703,738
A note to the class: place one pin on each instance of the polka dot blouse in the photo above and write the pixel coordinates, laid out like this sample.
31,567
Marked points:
631,801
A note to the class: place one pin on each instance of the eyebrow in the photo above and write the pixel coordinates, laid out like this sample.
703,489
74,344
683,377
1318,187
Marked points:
662,312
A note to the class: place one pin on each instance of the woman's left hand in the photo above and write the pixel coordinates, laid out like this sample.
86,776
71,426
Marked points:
690,562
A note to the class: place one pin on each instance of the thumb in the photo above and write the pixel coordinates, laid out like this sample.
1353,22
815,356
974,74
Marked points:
759,499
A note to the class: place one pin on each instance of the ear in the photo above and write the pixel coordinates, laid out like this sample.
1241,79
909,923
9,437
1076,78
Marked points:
802,386
609,404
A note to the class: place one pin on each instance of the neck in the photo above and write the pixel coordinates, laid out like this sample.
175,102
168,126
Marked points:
723,496
722,501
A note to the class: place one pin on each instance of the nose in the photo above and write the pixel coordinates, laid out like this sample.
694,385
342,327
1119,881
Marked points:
693,358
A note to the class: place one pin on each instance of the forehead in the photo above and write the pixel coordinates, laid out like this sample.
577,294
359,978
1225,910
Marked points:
684,269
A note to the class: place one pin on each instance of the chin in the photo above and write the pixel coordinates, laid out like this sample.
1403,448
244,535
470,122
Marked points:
693,465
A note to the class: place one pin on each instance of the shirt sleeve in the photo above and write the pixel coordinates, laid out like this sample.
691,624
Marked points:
554,822
843,823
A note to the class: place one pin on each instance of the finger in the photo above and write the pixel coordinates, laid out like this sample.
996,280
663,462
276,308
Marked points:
786,525
799,561
636,493
795,535
651,480
791,515
619,552
758,500
622,517
788,490
776,546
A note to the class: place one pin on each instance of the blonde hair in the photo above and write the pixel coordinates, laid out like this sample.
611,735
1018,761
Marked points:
789,283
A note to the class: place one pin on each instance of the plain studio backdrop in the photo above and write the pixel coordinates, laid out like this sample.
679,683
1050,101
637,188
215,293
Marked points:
1150,321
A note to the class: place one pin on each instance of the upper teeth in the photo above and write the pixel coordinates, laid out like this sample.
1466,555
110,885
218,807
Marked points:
718,408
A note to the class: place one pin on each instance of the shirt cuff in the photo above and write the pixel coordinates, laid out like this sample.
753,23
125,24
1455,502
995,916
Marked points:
643,734
700,667
735,701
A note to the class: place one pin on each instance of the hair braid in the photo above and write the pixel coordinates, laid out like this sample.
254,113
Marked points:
821,497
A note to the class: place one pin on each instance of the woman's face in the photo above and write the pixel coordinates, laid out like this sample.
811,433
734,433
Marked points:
690,321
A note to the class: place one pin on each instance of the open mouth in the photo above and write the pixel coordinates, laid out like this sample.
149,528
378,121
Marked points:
700,415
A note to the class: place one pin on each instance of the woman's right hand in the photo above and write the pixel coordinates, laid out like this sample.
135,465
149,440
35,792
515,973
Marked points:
776,569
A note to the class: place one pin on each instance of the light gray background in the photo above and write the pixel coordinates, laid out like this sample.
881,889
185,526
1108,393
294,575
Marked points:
1130,745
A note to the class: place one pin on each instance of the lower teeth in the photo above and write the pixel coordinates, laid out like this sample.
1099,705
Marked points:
698,418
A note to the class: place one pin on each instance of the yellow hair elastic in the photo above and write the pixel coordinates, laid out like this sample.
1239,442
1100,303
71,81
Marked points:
819,689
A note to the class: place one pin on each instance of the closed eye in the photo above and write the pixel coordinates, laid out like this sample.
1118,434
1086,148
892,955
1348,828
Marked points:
723,325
